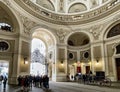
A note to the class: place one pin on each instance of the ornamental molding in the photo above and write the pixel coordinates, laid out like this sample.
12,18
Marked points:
27,24
62,33
8,3
116,18
71,19
96,30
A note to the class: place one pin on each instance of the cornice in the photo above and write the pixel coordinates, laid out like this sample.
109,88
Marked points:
79,47
82,18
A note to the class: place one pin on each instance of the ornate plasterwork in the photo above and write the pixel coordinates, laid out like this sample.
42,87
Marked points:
7,2
69,1
117,17
96,30
61,33
27,24
70,19
61,4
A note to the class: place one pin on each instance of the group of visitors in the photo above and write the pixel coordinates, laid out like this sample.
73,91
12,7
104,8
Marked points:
79,77
28,81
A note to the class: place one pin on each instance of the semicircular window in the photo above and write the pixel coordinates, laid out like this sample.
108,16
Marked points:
5,27
115,31
3,46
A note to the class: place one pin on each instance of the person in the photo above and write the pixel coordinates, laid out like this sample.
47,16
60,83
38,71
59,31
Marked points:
67,77
4,82
40,81
90,76
19,79
72,77
84,78
1,78
46,82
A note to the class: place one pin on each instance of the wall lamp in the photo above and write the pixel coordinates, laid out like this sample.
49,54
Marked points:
25,60
61,62
97,60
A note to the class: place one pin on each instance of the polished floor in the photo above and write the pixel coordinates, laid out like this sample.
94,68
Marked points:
66,87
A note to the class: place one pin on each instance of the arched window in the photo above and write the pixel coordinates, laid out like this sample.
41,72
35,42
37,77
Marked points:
118,49
115,31
5,27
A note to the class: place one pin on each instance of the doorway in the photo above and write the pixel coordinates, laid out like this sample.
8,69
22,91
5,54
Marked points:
87,69
4,66
118,68
38,66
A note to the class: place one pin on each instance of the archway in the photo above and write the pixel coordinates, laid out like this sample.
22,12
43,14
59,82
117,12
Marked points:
112,48
78,53
4,68
38,57
47,54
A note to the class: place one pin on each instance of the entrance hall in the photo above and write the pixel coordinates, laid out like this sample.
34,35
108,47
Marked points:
76,37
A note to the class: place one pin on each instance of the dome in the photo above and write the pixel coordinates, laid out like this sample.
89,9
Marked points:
69,12
69,6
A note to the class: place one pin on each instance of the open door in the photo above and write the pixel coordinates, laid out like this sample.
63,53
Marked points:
118,68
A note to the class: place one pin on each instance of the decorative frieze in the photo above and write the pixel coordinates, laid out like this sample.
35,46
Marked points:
70,19
117,17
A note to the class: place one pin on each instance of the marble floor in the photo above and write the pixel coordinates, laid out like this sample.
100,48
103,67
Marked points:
65,87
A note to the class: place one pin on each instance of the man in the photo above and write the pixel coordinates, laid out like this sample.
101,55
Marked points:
4,82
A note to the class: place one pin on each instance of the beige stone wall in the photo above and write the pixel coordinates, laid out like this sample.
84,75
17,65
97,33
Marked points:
25,53
61,60
97,52
110,53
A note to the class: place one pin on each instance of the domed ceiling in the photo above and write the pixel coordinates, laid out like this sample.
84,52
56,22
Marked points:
69,6
69,12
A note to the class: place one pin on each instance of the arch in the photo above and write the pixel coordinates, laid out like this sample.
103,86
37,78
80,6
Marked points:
41,29
88,35
13,19
50,42
114,31
77,7
108,28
